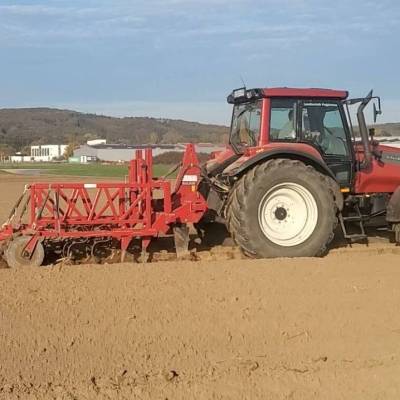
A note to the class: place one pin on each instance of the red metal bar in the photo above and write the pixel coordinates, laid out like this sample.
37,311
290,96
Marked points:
149,165
265,122
122,199
132,176
92,212
149,178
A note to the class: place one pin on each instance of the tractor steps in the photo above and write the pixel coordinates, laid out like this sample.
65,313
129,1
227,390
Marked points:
357,219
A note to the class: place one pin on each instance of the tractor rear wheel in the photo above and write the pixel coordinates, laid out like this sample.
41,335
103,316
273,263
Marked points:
15,257
282,208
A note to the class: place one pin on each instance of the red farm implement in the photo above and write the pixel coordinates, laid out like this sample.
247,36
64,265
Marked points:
141,208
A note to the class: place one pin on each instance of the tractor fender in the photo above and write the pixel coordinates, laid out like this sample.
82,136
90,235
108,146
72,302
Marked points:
306,158
393,207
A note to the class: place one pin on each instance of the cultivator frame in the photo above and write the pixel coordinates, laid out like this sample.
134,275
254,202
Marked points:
142,207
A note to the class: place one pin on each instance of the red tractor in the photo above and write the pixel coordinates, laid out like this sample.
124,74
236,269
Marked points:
294,170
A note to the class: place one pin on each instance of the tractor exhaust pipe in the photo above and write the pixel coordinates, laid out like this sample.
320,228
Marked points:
364,131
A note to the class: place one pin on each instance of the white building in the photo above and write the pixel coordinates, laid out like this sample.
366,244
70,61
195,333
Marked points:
95,142
47,152
122,152
18,157
393,141
41,153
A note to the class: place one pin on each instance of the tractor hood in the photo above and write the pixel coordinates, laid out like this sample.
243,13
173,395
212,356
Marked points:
383,152
383,174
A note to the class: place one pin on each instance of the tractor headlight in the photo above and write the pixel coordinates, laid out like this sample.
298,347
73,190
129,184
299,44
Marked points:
238,93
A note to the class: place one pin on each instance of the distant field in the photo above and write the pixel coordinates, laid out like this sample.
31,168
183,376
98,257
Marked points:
99,170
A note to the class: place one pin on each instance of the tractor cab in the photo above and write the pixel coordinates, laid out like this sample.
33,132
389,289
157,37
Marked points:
309,123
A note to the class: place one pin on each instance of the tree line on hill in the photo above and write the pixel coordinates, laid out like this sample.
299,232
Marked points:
21,128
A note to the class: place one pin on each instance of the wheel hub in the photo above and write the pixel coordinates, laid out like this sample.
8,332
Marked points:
288,214
280,213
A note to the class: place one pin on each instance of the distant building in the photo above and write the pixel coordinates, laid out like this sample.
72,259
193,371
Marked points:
117,152
95,142
41,153
19,157
208,148
123,152
47,152
82,159
393,141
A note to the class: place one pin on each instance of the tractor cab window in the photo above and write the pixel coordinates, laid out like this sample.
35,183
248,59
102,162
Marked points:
246,122
322,124
283,120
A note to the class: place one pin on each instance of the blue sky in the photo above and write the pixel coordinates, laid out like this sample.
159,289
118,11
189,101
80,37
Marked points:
180,58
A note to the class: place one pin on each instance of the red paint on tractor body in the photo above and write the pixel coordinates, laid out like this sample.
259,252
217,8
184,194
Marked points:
305,93
282,148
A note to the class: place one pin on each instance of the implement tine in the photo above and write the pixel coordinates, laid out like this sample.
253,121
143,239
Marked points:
40,212
15,208
24,208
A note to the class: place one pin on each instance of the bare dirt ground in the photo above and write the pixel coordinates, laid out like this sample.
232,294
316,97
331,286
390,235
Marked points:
323,328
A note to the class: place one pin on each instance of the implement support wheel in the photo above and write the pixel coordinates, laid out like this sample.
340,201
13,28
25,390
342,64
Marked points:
16,258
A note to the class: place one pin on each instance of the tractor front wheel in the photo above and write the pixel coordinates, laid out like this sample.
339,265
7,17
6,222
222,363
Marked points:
282,208
16,258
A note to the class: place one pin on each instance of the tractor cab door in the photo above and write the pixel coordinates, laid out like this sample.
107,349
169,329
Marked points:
323,125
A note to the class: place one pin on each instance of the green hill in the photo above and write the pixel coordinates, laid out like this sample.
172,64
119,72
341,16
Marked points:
390,129
20,128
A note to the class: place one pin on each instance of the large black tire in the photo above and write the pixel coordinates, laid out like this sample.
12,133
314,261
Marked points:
245,212
14,253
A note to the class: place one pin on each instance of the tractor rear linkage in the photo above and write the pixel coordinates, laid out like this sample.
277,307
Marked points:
142,207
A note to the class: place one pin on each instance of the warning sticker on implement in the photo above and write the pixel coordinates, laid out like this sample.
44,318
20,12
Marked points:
189,179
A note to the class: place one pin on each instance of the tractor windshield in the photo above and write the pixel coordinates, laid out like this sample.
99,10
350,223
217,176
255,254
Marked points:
246,121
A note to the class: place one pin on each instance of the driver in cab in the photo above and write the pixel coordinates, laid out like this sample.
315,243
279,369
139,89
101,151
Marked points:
288,131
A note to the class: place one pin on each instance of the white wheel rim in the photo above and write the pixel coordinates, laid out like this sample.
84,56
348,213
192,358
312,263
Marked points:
288,214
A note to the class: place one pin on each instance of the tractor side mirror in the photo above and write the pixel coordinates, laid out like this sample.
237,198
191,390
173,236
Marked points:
377,111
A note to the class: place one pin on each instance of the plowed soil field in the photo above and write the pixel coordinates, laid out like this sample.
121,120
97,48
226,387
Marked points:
218,328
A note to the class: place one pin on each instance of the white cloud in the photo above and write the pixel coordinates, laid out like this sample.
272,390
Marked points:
44,10
242,20
237,31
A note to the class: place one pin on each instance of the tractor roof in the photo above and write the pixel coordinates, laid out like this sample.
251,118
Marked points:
311,92
243,95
